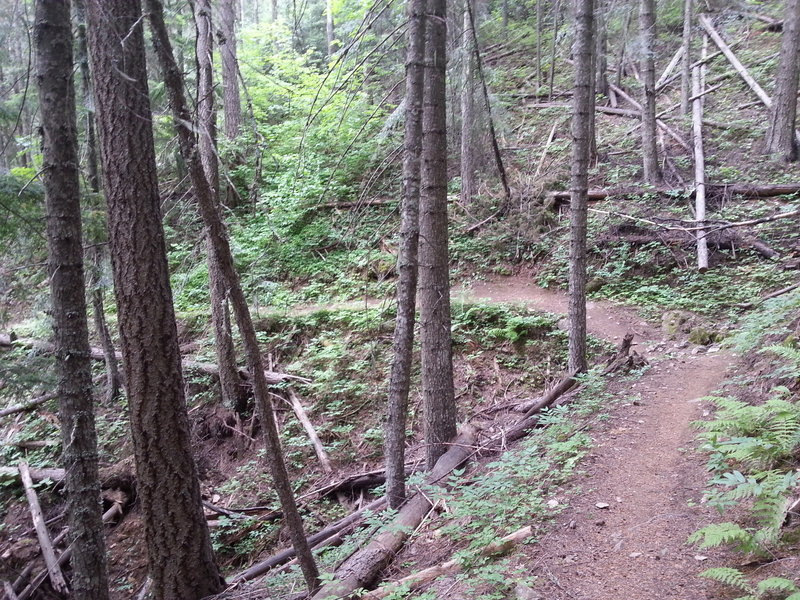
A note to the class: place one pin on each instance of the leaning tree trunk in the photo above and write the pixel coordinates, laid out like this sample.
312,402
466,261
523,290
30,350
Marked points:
181,561
647,27
582,135
781,135
403,342
99,250
207,138
434,285
53,39
215,228
467,110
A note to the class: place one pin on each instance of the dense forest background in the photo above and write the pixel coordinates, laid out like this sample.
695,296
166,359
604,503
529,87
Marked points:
334,259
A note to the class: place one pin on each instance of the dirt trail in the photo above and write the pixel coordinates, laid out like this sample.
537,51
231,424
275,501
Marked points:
642,467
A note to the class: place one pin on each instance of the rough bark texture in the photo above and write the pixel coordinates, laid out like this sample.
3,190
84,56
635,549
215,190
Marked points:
181,562
216,230
207,145
582,134
97,253
403,342
781,135
231,101
434,284
467,110
647,27
686,60
53,41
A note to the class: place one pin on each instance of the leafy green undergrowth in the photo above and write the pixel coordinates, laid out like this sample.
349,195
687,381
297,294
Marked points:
753,445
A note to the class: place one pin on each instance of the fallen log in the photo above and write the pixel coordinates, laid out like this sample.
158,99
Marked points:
318,538
361,569
417,580
740,68
733,189
18,408
108,516
49,555
273,378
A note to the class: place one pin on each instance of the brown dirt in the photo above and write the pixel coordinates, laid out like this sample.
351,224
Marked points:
642,466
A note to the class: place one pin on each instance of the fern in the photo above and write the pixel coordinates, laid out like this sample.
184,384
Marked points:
776,584
730,577
718,534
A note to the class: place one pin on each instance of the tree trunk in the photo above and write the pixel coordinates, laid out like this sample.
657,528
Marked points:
699,170
403,341
556,24
601,49
180,558
539,16
274,11
329,33
98,251
434,283
686,68
101,325
781,134
216,230
582,134
207,127
467,110
231,102
53,41
647,27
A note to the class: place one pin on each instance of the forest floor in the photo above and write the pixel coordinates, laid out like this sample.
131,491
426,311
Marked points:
624,532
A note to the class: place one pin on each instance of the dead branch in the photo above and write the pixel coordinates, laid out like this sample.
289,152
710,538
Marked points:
417,580
27,406
273,378
49,555
740,68
318,538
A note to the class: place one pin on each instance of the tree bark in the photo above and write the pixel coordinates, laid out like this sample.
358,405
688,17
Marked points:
687,59
467,110
407,267
699,170
231,101
216,230
207,146
582,130
97,252
647,26
438,392
53,41
180,558
781,134
601,49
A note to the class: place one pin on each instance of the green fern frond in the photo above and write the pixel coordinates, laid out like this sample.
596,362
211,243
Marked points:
718,534
794,596
776,584
730,577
